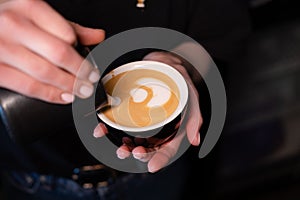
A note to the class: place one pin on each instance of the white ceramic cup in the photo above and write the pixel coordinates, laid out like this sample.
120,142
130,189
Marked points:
167,70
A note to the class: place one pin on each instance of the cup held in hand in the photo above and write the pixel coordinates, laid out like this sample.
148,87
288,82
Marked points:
153,98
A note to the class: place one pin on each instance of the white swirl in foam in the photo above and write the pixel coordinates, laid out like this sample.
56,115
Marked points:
161,92
138,94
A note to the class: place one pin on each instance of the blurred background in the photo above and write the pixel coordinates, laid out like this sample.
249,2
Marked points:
258,154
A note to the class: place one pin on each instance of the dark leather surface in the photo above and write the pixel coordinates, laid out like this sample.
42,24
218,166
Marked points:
27,120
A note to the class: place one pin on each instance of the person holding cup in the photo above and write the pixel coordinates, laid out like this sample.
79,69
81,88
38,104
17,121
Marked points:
38,60
158,155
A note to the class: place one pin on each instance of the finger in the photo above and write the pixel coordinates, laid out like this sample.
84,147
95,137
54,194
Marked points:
88,36
162,156
49,20
13,79
178,124
182,70
139,141
123,152
162,60
128,141
164,57
143,154
156,142
160,159
42,70
159,59
100,130
35,66
51,48
175,63
56,51
195,120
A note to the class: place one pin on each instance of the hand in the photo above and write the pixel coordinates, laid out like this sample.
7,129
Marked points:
159,157
37,57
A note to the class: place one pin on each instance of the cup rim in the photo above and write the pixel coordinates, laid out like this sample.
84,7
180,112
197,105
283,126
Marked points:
157,66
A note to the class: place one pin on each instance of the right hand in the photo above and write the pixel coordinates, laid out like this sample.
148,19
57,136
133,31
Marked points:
37,55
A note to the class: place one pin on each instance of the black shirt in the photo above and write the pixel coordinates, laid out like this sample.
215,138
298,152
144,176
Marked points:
219,26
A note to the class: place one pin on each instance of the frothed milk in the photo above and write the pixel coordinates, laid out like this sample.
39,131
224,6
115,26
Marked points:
147,97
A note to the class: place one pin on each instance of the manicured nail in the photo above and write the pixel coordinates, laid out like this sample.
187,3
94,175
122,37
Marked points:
67,97
86,90
97,133
94,76
122,154
153,168
138,155
100,130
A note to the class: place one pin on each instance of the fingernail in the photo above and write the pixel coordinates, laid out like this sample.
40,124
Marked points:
97,133
67,97
121,155
152,168
94,76
100,131
86,90
138,155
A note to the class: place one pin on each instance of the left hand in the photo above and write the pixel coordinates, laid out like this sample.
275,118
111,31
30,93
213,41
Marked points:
159,157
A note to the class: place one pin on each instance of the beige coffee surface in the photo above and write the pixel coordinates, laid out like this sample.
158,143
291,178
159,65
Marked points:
133,113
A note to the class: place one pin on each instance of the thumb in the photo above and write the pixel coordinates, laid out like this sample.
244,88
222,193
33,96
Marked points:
88,36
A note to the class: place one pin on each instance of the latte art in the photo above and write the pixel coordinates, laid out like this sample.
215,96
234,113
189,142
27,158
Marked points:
147,97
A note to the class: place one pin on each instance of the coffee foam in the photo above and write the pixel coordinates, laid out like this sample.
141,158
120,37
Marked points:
138,94
161,92
147,97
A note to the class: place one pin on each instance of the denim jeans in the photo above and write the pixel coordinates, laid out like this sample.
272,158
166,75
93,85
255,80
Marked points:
167,184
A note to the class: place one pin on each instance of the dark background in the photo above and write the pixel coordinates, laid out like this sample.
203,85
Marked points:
258,154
